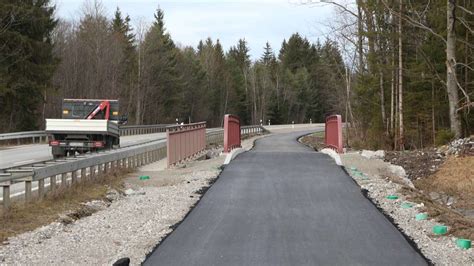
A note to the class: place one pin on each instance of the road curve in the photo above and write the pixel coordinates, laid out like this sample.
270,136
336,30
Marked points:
284,204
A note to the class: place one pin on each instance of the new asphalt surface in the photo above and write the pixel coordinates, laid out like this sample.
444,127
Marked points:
284,204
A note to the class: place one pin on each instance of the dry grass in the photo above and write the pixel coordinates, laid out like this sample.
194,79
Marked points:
23,217
455,178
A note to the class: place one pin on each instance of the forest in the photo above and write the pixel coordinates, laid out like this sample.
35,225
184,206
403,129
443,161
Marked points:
401,73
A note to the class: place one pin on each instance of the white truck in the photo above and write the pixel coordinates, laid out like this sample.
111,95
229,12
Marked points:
86,125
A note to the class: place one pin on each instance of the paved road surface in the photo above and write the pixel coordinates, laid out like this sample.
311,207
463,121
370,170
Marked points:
283,204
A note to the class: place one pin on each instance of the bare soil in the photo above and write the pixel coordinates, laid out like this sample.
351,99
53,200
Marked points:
315,141
418,164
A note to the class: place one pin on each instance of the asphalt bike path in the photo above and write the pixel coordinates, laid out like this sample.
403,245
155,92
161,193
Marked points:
284,204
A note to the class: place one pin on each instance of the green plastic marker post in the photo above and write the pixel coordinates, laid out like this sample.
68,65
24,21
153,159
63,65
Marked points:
144,177
421,216
463,243
406,205
440,229
392,197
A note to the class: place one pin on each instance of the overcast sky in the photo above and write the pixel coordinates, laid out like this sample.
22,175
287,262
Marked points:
189,21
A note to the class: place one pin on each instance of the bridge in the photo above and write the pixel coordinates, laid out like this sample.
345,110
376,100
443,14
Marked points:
280,203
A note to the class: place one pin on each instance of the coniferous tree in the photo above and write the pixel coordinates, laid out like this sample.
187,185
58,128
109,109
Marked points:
26,62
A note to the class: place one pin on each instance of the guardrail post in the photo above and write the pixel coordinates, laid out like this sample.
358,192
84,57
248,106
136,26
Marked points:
52,182
74,177
28,190
6,194
83,174
41,188
64,180
99,170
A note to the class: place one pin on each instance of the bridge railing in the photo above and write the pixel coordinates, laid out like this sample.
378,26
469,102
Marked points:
333,133
129,130
232,132
185,141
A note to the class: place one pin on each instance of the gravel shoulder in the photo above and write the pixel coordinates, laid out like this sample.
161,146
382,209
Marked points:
130,226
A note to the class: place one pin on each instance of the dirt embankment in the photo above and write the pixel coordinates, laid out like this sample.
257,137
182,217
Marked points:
444,184
315,141
23,217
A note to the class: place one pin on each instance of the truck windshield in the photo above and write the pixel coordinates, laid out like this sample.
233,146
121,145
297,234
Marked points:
81,110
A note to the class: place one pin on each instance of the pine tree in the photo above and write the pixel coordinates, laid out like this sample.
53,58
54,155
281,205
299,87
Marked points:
161,76
26,62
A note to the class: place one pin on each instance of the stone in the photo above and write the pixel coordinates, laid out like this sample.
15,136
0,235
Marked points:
65,219
434,195
131,192
450,201
112,195
333,155
379,154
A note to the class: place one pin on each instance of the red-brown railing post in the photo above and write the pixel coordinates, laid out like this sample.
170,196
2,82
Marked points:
231,132
333,133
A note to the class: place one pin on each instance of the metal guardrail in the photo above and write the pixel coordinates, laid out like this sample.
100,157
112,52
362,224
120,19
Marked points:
41,135
92,165
142,129
24,135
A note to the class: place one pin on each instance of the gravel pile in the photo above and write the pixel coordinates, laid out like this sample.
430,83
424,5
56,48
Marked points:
130,227
459,147
441,250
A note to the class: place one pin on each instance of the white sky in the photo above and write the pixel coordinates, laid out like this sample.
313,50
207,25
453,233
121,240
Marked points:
189,21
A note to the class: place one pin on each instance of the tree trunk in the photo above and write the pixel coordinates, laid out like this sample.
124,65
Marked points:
382,99
433,125
401,141
360,36
392,92
451,84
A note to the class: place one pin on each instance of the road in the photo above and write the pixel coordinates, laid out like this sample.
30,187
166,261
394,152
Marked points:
284,204
24,154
